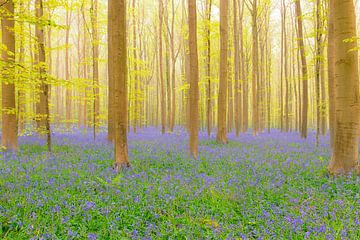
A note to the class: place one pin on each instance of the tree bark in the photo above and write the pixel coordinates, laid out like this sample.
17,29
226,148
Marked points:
303,68
9,123
162,82
208,66
254,27
331,73
117,55
42,107
222,131
345,155
95,63
67,71
236,70
194,80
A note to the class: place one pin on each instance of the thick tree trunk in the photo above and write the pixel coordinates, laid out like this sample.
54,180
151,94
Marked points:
331,73
221,131
345,156
117,55
9,123
194,80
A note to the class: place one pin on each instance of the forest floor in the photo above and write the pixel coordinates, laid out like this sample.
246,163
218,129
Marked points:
273,186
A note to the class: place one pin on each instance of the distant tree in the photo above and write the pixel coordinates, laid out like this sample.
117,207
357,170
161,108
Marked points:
303,68
208,7
95,65
237,70
117,55
67,67
253,8
345,155
162,81
222,97
9,122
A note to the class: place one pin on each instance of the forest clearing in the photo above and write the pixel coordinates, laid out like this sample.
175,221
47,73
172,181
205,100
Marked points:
273,186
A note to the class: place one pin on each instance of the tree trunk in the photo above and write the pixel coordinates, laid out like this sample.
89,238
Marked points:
303,68
318,37
331,73
208,66
194,80
162,82
67,71
345,153
221,131
173,66
21,90
95,63
245,107
236,70
254,26
42,107
117,55
9,123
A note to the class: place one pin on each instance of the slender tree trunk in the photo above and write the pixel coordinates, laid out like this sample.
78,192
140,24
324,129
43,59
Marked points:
318,36
162,82
135,67
286,74
303,68
117,55
345,155
67,71
323,104
42,107
9,123
244,80
173,66
230,99
221,131
282,58
208,67
95,63
255,69
236,70
21,91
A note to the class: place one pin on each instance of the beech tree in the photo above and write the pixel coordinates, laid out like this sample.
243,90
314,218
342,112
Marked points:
300,35
194,79
117,55
9,123
42,107
345,155
222,130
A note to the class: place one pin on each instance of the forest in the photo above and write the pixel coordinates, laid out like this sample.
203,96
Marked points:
179,119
